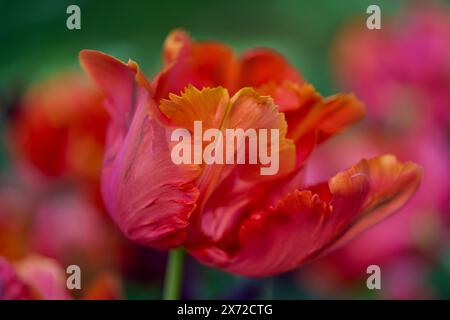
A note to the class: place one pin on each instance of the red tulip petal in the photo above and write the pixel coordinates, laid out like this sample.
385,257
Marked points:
304,224
261,66
316,118
311,118
275,240
200,64
392,184
149,197
114,77
122,83
286,95
261,113
176,44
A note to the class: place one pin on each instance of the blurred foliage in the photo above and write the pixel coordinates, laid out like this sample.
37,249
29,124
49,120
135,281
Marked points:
440,275
138,291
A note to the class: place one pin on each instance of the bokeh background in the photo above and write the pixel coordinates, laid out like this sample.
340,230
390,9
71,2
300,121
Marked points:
49,200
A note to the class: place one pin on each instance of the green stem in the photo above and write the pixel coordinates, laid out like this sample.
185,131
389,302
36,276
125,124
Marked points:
174,274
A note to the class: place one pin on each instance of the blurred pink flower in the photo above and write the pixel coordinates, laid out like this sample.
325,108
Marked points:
11,286
35,277
45,276
41,278
404,68
68,227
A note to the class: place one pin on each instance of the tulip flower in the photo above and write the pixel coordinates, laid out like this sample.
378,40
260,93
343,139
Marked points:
228,215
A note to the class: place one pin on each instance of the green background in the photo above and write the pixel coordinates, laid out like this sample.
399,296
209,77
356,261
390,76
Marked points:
35,41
